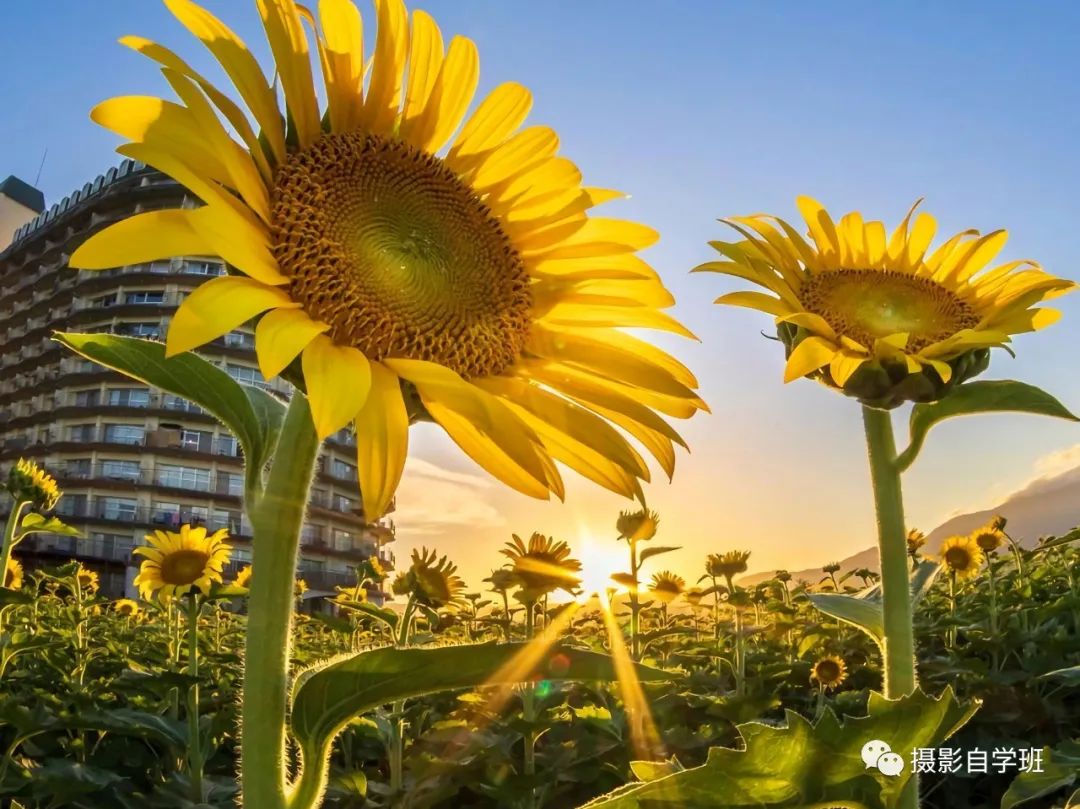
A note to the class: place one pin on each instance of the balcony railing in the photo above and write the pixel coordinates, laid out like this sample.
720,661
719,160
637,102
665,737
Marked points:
213,482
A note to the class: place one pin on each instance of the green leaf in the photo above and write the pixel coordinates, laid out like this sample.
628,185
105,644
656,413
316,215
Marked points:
388,617
252,415
1060,769
34,523
1070,675
9,596
651,770
651,551
803,764
326,699
992,396
864,609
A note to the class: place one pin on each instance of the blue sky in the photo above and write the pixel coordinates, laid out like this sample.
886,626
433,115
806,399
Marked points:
701,110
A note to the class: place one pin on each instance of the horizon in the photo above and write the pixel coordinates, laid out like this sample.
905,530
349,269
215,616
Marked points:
776,469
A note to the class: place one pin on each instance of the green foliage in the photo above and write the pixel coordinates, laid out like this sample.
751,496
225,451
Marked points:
252,415
990,396
802,763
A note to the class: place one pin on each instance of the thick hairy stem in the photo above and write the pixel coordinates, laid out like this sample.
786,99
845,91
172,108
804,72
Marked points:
194,757
899,642
9,536
276,517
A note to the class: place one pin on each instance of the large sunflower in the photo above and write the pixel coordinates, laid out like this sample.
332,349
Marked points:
884,319
542,566
408,260
178,562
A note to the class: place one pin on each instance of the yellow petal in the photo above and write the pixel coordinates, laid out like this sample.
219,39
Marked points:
577,315
248,251
808,356
425,61
921,236
140,238
813,322
495,119
453,92
756,300
280,336
898,242
382,441
338,379
573,421
218,306
243,175
528,148
233,114
343,30
292,57
240,65
822,229
482,426
388,67
600,237
164,125
844,364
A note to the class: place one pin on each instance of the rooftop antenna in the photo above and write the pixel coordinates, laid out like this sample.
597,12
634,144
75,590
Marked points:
43,156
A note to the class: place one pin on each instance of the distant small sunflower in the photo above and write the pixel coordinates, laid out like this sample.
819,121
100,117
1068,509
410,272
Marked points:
961,556
430,581
830,672
88,579
28,482
542,565
666,586
989,537
727,565
915,540
243,577
126,606
299,588
13,575
178,562
637,526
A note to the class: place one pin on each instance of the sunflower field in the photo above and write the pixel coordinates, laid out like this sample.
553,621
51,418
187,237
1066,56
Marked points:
101,698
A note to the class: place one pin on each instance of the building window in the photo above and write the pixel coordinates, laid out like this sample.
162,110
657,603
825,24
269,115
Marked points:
183,477
343,540
87,398
82,433
343,504
203,268
342,469
195,440
171,402
227,445
117,508
150,330
103,301
112,546
124,433
230,483
156,296
120,470
244,375
129,397
239,339
78,468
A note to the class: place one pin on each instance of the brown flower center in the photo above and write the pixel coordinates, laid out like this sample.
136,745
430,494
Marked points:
183,567
827,671
868,304
958,558
400,257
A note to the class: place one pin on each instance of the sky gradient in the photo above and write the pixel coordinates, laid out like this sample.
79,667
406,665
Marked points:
701,110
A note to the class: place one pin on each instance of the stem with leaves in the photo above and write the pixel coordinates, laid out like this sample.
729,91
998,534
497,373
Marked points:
276,515
194,756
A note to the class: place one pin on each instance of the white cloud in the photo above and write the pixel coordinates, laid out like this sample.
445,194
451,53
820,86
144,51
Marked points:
432,500
1055,463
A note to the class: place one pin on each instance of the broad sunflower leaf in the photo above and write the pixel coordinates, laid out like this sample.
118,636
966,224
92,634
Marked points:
804,764
34,523
864,609
326,699
252,415
388,617
1060,769
652,551
991,396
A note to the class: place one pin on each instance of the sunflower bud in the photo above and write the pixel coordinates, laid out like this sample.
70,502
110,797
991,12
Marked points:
29,483
637,526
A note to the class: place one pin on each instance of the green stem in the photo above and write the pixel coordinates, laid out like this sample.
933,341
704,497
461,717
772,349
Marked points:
195,758
898,646
9,537
899,642
950,636
635,606
276,516
528,700
397,714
